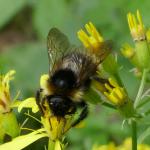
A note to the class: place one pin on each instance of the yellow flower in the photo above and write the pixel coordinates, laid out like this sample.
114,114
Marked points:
127,51
92,39
111,90
115,93
5,99
139,34
136,26
8,122
55,126
127,145
110,146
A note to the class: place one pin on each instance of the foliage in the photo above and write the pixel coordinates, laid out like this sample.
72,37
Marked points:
29,57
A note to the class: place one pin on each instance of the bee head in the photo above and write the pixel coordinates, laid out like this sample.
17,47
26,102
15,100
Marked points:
59,105
64,79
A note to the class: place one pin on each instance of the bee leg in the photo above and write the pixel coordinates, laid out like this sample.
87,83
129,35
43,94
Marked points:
39,101
83,113
73,110
100,80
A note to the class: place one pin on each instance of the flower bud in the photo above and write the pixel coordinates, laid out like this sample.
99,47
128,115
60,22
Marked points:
129,52
143,54
9,127
139,35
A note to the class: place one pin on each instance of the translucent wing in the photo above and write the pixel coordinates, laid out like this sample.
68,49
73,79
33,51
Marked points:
57,45
104,50
99,54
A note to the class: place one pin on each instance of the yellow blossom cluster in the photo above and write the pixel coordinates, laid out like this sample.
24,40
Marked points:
115,93
93,39
136,26
5,98
112,91
127,145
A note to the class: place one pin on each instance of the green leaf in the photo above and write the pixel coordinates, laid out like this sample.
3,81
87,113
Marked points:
30,61
144,135
44,15
23,141
54,13
8,9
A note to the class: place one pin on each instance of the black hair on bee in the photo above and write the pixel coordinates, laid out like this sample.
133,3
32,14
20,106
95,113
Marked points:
70,74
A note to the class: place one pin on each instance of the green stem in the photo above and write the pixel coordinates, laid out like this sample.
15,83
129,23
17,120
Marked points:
119,79
141,88
51,145
134,135
108,105
143,103
55,145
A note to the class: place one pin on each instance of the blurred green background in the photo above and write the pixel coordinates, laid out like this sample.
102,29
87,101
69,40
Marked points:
24,25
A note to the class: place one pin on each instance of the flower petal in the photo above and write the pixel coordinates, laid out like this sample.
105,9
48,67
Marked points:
29,103
43,81
91,38
136,26
23,141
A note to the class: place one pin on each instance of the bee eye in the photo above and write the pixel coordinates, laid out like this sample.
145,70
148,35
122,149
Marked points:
56,100
59,105
64,79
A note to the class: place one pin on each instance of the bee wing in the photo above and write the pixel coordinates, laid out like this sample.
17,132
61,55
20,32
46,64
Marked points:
103,51
99,54
57,45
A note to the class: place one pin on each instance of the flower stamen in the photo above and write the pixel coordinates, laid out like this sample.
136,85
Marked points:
92,39
136,26
114,92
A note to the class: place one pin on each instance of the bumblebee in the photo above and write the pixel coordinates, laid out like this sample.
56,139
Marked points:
70,74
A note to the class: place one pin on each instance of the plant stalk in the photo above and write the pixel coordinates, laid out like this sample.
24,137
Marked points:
51,145
55,145
134,134
141,88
